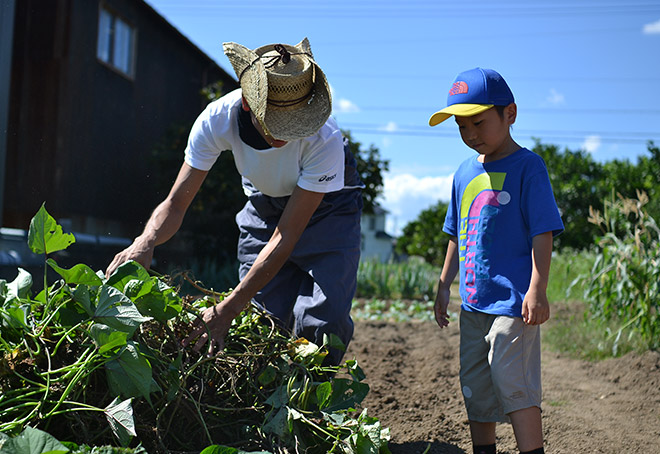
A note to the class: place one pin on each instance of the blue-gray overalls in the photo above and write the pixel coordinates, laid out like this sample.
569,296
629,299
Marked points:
312,294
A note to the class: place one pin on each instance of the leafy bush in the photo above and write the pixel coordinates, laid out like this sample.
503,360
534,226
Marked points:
99,361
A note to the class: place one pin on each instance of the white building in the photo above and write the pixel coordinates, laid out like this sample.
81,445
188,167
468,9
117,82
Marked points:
376,243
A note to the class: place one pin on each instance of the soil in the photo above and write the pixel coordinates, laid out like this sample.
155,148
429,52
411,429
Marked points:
611,406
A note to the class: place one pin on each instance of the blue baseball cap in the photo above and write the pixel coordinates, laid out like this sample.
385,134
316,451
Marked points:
472,92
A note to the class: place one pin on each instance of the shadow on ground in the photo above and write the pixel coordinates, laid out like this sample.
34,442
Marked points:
424,447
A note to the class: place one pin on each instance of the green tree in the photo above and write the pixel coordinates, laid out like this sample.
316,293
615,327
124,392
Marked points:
371,168
649,178
578,182
424,237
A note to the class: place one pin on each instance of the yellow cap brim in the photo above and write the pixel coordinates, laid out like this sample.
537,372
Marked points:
462,110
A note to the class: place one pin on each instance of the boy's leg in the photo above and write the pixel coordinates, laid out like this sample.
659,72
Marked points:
516,370
527,428
483,437
482,405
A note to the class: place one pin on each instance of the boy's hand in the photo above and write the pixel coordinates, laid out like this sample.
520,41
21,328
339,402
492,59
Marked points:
440,307
535,308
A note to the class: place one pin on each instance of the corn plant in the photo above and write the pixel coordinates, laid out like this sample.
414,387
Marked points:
623,284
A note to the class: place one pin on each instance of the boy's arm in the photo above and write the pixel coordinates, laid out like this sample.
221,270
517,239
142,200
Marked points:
536,309
449,270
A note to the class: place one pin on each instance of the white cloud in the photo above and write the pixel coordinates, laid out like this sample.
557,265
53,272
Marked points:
555,98
344,105
390,127
652,29
591,144
406,195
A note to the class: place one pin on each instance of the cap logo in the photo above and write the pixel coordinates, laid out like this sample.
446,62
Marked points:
458,88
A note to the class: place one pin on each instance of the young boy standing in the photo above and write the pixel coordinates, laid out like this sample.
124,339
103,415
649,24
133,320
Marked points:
502,219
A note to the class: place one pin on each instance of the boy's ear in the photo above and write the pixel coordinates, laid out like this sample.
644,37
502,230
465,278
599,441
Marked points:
510,113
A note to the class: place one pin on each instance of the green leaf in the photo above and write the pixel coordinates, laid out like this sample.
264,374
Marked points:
125,273
345,394
323,394
278,425
268,375
130,374
219,449
106,338
32,441
45,236
333,341
20,287
120,417
362,444
355,370
82,296
117,311
14,320
79,274
155,299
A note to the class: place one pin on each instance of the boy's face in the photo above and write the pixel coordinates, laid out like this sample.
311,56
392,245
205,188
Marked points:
488,133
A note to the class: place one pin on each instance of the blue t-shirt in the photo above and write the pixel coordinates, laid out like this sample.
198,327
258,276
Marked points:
496,209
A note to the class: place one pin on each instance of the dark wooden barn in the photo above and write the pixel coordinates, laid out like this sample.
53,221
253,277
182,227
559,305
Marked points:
93,86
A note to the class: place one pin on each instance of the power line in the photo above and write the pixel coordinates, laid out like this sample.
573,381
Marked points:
426,128
570,136
358,10
550,111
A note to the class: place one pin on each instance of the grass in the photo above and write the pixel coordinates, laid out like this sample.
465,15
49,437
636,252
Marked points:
571,329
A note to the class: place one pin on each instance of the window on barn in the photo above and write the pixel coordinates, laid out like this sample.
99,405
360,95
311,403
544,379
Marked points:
116,42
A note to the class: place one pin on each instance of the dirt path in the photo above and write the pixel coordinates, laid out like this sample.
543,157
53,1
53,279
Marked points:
412,369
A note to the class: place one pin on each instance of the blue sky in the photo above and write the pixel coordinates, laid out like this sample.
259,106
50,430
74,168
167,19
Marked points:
585,73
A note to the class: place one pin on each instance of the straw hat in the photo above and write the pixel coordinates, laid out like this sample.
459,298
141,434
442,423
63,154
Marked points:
284,87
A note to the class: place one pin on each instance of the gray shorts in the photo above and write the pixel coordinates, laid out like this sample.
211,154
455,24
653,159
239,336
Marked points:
500,365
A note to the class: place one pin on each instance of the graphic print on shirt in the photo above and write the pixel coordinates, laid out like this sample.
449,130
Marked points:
480,202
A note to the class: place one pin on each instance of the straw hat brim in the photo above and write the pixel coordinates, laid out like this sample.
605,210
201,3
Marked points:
298,123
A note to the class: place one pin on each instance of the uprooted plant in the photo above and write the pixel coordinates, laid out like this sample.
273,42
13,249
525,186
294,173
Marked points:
99,361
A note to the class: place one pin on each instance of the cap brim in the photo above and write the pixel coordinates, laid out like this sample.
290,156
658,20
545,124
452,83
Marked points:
462,110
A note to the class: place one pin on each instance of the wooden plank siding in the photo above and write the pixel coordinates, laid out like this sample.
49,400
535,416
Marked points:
80,132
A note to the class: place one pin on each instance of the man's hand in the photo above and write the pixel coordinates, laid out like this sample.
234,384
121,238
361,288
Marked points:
212,327
140,251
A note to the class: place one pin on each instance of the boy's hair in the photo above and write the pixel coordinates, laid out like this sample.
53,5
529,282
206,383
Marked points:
473,92
500,110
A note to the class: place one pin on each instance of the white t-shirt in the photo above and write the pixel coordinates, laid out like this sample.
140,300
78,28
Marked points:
314,163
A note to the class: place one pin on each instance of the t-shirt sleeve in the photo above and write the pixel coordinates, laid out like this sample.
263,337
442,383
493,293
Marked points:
450,226
541,211
206,140
322,164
